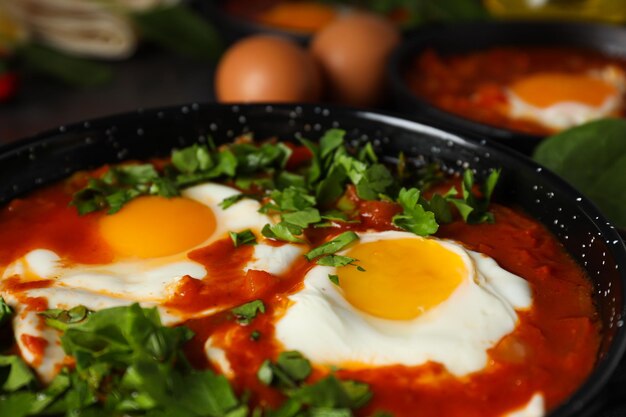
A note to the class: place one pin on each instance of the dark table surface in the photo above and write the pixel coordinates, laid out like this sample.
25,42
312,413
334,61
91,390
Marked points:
151,79
154,79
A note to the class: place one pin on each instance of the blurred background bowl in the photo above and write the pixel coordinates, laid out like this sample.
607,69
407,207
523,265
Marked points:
471,37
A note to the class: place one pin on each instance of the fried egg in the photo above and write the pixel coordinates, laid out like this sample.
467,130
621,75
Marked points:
150,238
563,100
419,300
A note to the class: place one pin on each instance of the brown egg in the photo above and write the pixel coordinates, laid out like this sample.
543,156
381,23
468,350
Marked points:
267,69
352,53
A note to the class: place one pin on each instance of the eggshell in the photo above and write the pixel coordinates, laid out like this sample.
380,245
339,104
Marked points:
352,53
267,69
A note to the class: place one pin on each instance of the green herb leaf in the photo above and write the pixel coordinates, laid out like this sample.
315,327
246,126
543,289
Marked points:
331,187
336,261
330,141
334,279
282,231
335,245
62,319
302,218
243,238
414,218
247,312
192,159
295,365
592,157
474,208
6,312
331,392
292,199
438,204
376,180
290,369
14,374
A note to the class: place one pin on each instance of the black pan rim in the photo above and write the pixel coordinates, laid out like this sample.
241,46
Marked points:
604,368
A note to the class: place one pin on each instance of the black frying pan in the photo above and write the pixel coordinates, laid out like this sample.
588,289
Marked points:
577,223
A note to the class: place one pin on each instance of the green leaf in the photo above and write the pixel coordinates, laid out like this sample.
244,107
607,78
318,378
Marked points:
414,218
330,141
70,70
229,201
46,398
302,218
331,392
334,279
14,374
282,231
192,159
375,181
247,312
315,170
367,154
164,187
290,369
243,238
286,179
17,404
133,174
295,365
62,319
292,199
331,187
592,157
438,204
336,261
6,312
253,159
332,246
180,30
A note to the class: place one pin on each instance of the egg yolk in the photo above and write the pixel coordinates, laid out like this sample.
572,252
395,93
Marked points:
154,226
546,89
403,278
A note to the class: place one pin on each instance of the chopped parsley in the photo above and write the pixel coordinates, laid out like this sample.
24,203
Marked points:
327,396
245,313
6,312
312,196
242,238
335,245
62,319
334,279
126,363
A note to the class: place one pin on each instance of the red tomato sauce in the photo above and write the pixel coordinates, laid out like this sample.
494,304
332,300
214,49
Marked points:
36,345
551,351
473,85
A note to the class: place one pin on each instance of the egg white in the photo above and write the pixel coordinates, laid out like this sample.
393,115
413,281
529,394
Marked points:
568,114
457,333
151,282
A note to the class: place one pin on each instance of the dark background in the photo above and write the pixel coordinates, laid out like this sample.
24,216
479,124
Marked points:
153,78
